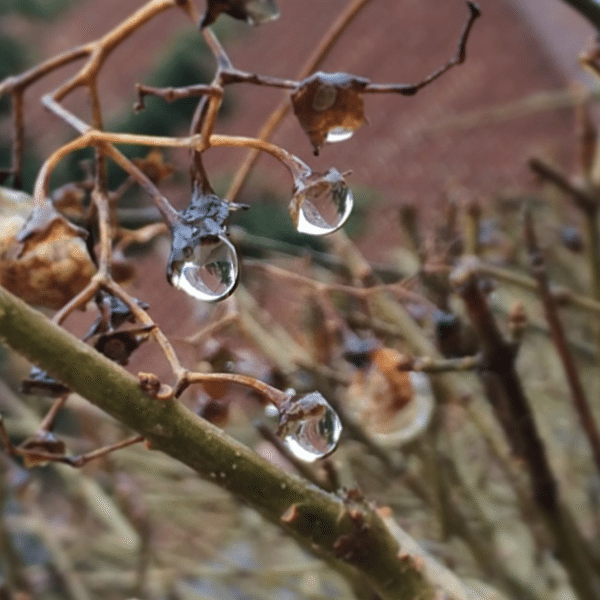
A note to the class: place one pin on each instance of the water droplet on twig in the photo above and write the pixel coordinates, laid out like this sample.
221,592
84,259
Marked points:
309,427
209,272
321,203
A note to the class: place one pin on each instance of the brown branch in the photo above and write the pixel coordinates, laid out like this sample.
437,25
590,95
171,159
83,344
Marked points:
557,332
504,389
457,59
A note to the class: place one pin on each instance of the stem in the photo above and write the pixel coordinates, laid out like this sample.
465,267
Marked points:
277,397
557,331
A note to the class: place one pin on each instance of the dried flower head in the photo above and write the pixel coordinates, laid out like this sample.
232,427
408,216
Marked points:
43,257
329,106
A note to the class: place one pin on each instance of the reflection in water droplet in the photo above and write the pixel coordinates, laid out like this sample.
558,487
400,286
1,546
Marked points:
311,429
323,206
210,272
339,134
325,97
261,11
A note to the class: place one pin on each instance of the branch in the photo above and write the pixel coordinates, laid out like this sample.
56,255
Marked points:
343,532
578,397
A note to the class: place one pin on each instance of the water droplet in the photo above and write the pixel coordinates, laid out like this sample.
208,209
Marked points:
210,271
325,97
339,134
310,428
322,204
261,11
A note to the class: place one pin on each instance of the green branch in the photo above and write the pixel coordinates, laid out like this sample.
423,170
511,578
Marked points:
347,534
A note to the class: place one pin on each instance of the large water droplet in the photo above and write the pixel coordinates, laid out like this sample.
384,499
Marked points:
339,134
322,206
310,428
210,271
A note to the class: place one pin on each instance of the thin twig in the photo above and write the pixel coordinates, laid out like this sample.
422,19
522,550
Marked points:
557,332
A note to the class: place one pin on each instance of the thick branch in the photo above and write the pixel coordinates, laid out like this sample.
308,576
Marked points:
346,534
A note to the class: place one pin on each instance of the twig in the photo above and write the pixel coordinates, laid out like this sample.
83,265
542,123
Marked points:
504,390
459,58
558,336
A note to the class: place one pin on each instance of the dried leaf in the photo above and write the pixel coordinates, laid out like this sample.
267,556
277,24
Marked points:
68,199
329,106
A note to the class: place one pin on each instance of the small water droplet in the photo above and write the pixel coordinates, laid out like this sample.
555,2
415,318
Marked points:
209,273
310,428
325,97
339,134
261,11
322,204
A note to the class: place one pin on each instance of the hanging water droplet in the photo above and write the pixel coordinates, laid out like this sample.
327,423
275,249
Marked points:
209,271
339,134
310,428
325,97
322,204
260,11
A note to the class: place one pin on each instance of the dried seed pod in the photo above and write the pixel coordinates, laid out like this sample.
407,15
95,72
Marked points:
254,12
154,166
44,442
114,313
43,257
120,345
393,405
329,106
41,383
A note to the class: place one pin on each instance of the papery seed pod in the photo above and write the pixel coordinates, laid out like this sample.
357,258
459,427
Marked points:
329,106
114,313
43,257
43,442
254,12
393,405
40,382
